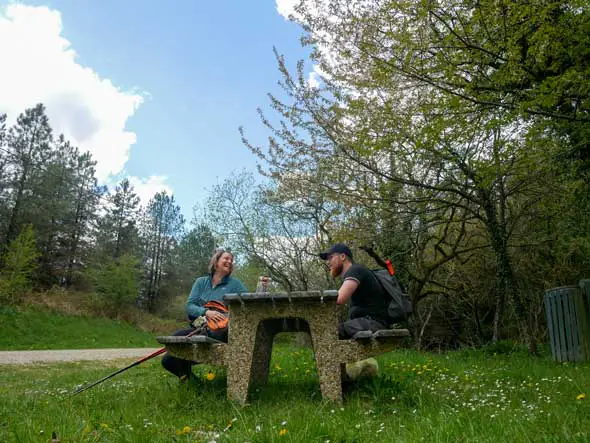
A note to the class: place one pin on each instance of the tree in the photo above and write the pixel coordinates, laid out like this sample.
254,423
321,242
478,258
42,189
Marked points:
265,232
460,165
519,58
189,260
84,202
28,150
117,229
3,157
162,225
46,182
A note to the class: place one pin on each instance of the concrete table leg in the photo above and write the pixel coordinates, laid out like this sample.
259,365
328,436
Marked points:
330,381
242,342
328,360
262,354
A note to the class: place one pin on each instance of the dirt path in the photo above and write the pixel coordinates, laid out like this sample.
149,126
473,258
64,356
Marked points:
53,356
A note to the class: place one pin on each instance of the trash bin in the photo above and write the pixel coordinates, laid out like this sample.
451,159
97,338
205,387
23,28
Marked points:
585,287
567,323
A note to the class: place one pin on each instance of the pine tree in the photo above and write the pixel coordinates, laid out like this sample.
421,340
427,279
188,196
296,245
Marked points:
162,225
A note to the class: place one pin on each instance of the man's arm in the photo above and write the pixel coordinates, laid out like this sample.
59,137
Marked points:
346,290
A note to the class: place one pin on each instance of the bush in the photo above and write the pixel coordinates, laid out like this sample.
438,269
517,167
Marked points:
116,283
19,265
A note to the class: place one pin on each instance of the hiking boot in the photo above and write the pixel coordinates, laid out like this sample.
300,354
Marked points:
362,369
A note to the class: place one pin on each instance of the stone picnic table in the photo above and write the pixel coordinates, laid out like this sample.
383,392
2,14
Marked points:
255,320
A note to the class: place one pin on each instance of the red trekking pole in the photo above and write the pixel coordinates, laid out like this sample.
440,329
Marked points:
141,360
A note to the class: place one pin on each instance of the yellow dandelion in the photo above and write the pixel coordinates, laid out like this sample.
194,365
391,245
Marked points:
210,376
277,367
581,397
183,431
282,432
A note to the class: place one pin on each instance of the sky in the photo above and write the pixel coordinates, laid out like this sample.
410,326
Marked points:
155,91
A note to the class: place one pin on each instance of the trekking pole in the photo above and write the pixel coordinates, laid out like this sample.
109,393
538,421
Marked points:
135,363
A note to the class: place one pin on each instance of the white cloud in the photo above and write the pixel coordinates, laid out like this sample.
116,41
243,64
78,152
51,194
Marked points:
314,78
286,7
146,188
39,66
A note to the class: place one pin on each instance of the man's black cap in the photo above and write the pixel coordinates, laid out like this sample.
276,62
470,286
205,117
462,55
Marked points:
338,248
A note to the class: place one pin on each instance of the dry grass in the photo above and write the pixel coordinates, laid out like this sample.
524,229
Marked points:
86,304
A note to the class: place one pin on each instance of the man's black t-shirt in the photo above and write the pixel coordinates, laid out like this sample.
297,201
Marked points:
369,299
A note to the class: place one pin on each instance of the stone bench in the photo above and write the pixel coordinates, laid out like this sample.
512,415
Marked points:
197,348
382,336
207,350
367,344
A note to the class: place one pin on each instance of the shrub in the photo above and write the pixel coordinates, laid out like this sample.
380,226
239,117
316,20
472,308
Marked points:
116,283
19,265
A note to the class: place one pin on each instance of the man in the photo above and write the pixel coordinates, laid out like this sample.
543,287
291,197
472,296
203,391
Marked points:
368,301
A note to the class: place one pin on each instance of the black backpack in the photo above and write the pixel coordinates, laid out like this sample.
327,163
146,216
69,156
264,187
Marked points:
400,305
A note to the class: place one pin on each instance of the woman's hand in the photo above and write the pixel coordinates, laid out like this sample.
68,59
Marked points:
214,315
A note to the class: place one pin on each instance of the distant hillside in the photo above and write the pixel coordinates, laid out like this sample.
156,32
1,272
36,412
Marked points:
39,327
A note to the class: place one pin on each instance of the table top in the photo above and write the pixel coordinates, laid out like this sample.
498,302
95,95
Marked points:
271,297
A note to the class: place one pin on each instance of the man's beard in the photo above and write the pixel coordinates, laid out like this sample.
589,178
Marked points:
335,271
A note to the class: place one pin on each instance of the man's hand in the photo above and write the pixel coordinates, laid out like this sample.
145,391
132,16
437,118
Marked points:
214,315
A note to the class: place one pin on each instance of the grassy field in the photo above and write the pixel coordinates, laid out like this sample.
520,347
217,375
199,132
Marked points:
471,396
36,327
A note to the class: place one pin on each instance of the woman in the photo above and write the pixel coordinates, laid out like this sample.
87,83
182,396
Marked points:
211,287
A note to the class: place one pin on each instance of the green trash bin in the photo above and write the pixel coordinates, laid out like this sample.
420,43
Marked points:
567,323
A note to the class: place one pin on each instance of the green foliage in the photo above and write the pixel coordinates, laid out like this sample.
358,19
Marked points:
418,397
504,347
248,274
442,133
116,282
19,263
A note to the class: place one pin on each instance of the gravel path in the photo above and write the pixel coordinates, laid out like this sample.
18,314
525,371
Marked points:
28,357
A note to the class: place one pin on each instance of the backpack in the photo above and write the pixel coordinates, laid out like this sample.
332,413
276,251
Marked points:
210,327
400,305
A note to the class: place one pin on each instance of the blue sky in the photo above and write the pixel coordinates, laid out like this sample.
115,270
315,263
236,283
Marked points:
188,73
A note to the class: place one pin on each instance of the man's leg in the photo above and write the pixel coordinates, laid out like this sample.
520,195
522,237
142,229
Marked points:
348,328
179,367
363,368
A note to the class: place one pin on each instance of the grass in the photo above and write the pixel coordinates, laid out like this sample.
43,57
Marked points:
471,396
37,327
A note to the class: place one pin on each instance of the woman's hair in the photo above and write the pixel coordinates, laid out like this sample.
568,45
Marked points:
216,256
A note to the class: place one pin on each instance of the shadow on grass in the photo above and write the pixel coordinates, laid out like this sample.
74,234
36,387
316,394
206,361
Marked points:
381,392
